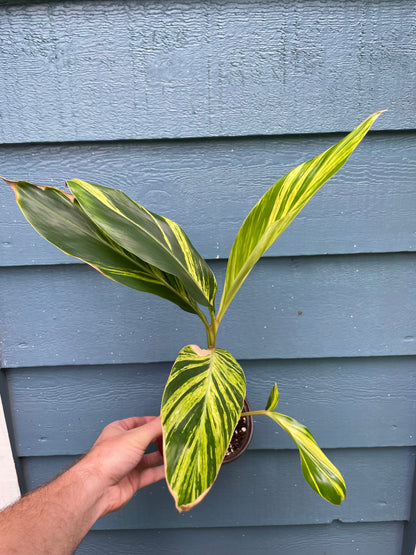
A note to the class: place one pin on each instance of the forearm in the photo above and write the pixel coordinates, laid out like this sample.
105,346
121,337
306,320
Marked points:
53,519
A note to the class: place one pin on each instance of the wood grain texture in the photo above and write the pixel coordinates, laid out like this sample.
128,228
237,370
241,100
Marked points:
107,70
359,305
209,187
333,539
362,402
272,482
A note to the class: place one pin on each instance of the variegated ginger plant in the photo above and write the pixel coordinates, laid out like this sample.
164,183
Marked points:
203,398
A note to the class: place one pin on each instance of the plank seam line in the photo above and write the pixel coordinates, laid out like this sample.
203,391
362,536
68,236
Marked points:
202,138
334,522
264,259
243,361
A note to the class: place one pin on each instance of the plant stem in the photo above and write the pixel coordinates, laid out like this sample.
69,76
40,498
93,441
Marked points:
212,330
254,412
203,318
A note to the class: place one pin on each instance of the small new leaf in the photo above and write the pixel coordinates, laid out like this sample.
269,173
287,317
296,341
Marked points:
273,398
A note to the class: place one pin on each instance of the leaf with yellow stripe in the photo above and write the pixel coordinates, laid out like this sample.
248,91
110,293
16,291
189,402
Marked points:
201,406
152,238
318,470
280,205
59,219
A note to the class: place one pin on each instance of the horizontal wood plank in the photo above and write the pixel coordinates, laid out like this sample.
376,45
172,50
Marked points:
209,186
334,539
334,306
272,482
115,70
360,402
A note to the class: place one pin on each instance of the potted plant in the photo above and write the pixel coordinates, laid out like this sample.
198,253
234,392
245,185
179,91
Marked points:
203,398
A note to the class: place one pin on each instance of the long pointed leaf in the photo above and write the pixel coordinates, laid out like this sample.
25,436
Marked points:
280,205
152,238
201,406
59,219
319,472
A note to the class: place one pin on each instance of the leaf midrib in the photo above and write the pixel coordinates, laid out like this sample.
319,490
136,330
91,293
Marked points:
209,382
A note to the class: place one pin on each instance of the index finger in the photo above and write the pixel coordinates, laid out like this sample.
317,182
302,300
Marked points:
135,422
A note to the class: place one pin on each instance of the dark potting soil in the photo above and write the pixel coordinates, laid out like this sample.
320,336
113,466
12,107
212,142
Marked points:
238,438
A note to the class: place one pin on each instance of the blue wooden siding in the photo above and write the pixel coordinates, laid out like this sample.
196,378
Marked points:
359,305
195,109
150,69
374,390
230,175
337,538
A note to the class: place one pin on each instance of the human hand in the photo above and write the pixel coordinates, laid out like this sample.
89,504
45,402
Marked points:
55,517
117,462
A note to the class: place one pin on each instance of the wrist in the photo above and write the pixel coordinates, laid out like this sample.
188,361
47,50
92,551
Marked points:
55,517
89,486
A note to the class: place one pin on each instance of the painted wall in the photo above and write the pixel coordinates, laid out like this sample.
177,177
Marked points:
194,109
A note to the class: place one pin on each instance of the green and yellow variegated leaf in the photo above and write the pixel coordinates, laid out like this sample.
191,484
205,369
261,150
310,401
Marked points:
152,238
273,399
280,205
317,469
59,219
201,406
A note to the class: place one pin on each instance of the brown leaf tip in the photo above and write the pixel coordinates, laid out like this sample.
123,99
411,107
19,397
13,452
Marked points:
12,184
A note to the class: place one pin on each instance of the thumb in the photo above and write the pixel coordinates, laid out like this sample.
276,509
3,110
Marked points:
143,435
